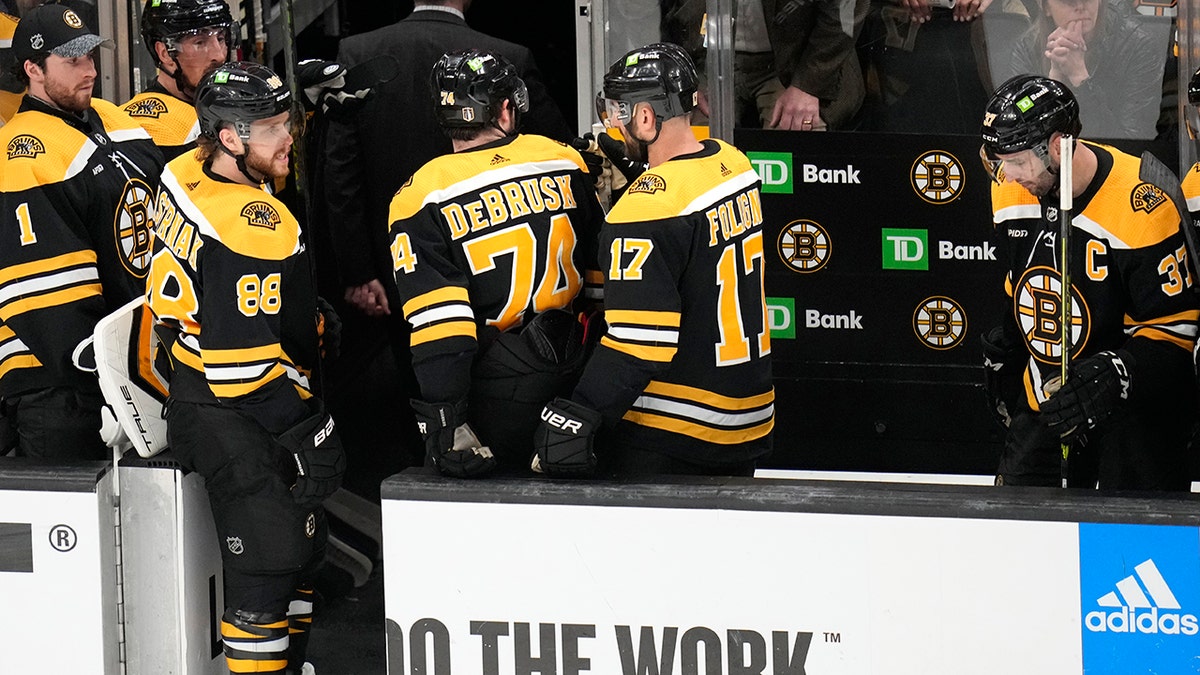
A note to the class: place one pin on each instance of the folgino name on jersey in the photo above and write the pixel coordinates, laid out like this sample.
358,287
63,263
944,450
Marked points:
77,199
248,246
683,254
171,122
514,237
1128,268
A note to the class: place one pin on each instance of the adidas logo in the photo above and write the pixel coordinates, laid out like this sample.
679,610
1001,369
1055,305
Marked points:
1139,601
725,170
192,186
498,159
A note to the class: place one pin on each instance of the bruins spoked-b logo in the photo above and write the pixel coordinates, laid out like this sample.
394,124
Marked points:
150,107
25,146
310,525
804,246
1146,197
135,241
937,176
648,183
262,214
72,19
940,323
1038,303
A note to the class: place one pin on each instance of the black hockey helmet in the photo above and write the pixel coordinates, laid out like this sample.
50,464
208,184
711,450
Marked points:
1025,111
168,20
468,87
661,74
239,94
1194,88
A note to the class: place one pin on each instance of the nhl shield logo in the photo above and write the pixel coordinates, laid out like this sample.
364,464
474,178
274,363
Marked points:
235,545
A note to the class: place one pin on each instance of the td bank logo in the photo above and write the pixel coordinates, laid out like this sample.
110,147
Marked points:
775,170
905,249
781,318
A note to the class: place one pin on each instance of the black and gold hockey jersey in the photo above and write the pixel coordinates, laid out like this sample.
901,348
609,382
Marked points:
76,200
685,365
1130,284
170,121
232,295
489,237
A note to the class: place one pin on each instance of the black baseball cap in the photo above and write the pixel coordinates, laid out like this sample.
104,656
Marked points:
55,29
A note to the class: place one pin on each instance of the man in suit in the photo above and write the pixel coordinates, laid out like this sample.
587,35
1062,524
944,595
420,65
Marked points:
368,158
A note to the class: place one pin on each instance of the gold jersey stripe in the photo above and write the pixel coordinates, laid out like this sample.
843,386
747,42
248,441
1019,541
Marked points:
1152,333
231,631
442,331
699,431
446,294
245,355
709,398
641,352
17,362
48,265
187,357
255,666
234,390
55,299
642,317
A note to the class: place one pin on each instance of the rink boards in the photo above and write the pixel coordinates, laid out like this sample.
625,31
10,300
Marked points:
729,576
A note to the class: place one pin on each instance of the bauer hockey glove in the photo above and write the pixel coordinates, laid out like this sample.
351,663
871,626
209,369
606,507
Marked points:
320,459
450,443
564,440
1095,389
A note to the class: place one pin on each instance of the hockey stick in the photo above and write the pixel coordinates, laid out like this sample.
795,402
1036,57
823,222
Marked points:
1066,155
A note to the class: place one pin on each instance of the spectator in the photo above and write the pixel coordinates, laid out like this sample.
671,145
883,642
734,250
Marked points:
1112,64
795,65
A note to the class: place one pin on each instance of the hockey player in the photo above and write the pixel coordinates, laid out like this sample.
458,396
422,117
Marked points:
490,239
77,187
186,38
1126,408
231,291
681,382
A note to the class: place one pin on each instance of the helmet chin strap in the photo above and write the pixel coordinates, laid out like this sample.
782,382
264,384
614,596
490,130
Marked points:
240,161
188,92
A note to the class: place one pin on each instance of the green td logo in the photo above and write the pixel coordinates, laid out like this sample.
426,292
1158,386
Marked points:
905,249
781,318
775,169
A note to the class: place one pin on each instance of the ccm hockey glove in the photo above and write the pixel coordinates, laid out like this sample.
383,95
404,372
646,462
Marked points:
320,458
1095,389
563,441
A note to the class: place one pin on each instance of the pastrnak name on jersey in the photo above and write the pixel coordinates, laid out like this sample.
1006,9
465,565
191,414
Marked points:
514,199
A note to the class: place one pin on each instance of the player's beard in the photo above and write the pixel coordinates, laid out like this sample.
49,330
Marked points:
67,99
260,163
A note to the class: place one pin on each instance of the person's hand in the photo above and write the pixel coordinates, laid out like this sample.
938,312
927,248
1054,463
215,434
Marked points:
797,110
1066,48
325,86
370,298
919,11
968,10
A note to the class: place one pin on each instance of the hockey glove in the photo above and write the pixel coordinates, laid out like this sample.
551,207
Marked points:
320,458
592,158
615,151
1001,361
450,444
329,330
1095,389
328,86
563,441
555,336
